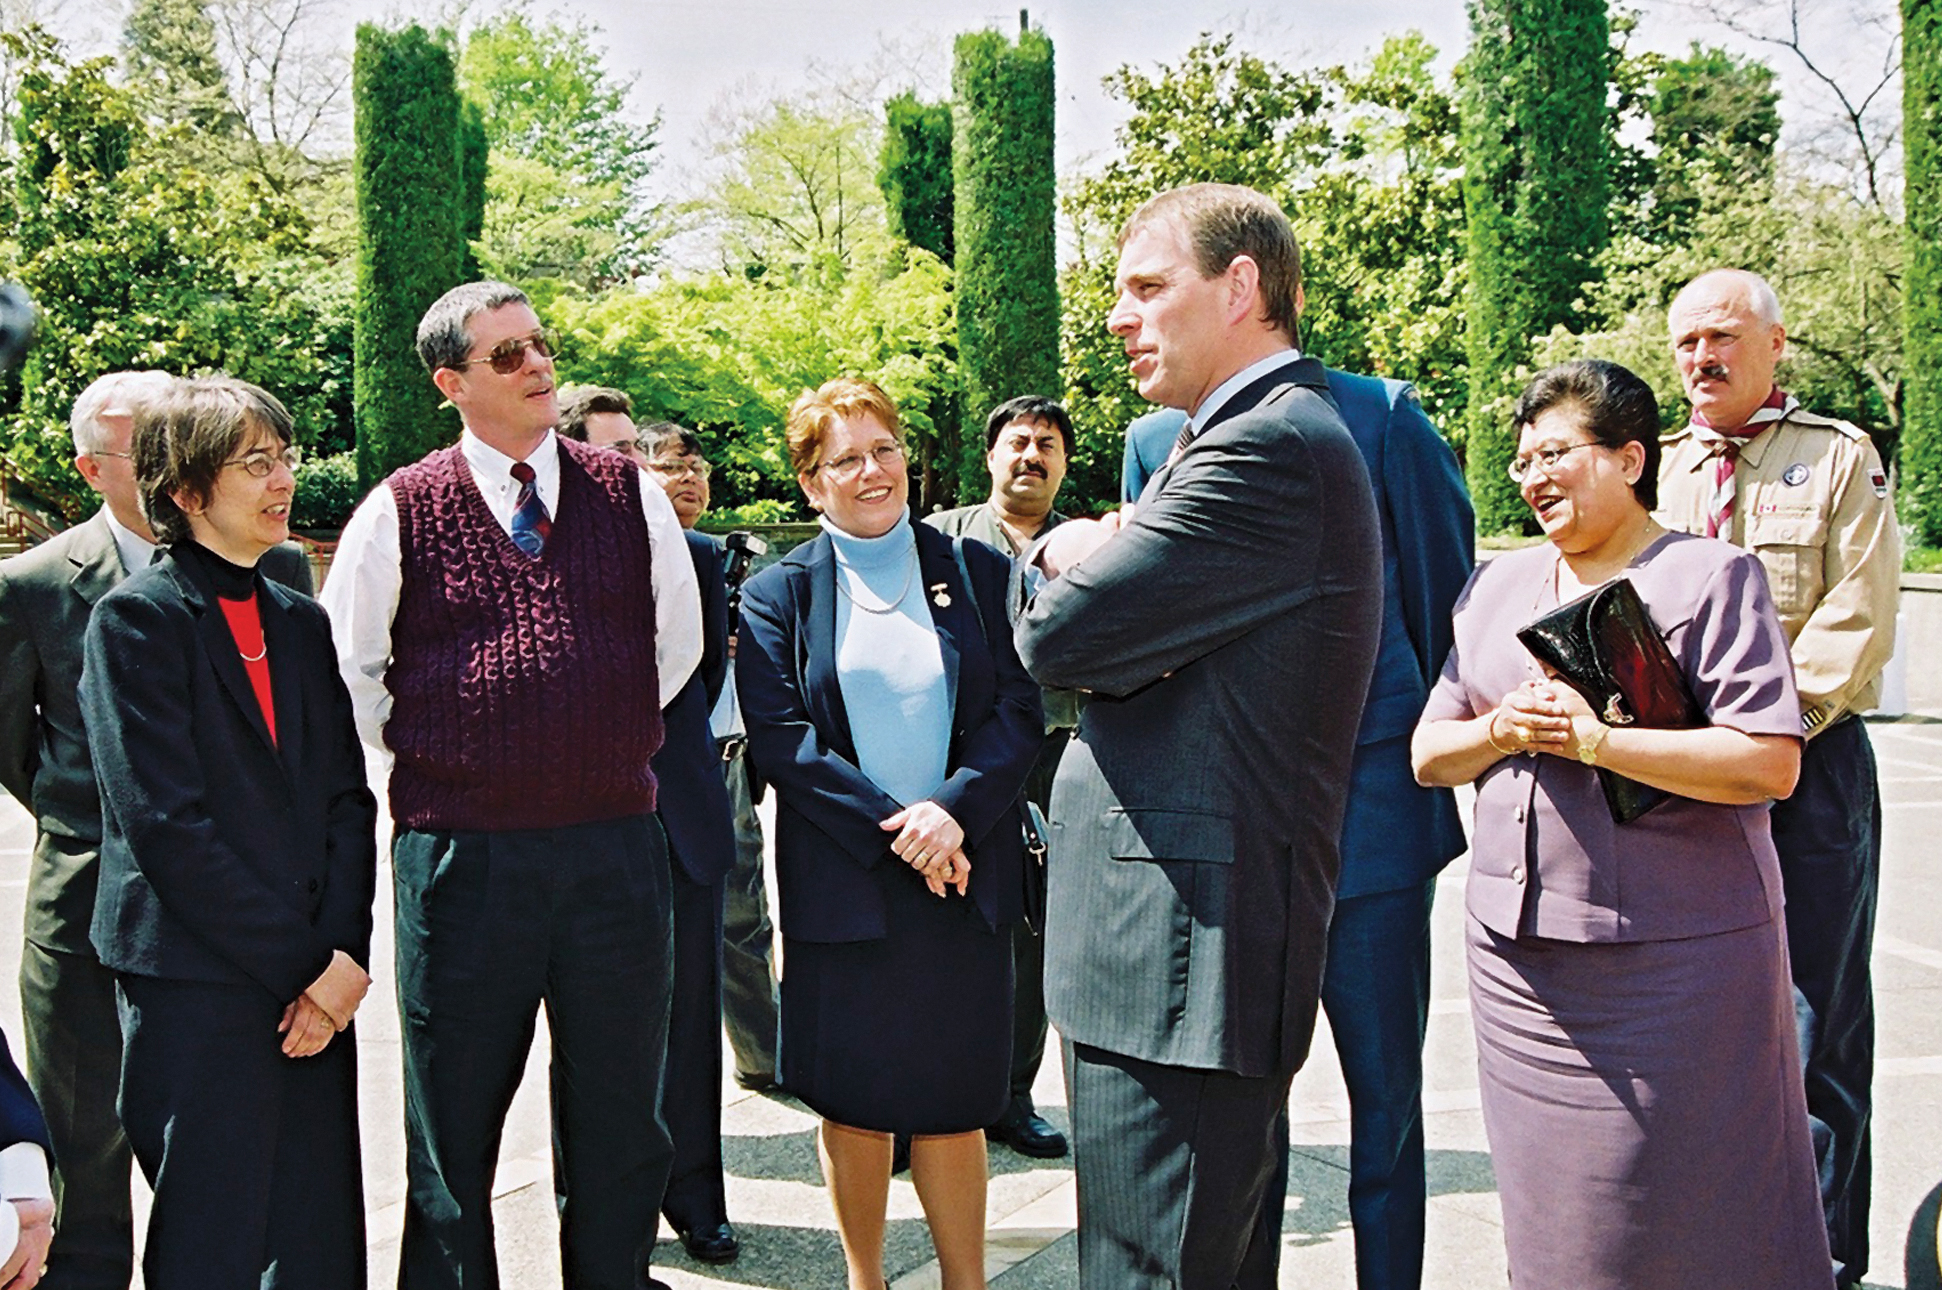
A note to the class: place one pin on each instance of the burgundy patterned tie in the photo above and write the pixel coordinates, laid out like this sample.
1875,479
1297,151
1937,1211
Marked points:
531,525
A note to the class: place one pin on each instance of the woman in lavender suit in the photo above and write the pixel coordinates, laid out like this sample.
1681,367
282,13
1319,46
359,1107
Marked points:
1635,1027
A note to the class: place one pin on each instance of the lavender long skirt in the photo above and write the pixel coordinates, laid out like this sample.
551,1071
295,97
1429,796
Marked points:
1645,1113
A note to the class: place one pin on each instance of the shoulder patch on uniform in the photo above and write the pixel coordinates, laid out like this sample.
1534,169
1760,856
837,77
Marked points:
1795,475
1879,478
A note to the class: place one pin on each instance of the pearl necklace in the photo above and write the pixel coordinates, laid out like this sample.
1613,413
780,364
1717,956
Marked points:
910,571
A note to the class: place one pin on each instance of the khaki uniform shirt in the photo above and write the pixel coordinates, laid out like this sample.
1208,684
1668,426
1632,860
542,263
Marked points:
1811,501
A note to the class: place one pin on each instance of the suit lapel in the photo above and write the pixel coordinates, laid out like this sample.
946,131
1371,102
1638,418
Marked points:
1303,371
820,691
97,560
217,642
286,690
950,606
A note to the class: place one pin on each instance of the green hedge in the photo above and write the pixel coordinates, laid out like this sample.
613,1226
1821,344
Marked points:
1920,498
915,175
1535,129
410,248
1007,271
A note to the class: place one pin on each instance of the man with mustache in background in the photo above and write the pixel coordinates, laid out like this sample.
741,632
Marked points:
1809,496
1028,441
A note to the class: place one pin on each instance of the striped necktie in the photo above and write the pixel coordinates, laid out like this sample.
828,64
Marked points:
1187,432
531,525
1726,446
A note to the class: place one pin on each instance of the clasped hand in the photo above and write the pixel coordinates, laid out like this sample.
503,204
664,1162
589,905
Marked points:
932,843
325,1007
1536,717
1074,540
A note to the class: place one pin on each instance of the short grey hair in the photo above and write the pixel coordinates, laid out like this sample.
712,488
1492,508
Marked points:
443,340
1759,292
118,394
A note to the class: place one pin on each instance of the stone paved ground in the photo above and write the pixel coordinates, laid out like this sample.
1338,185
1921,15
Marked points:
777,1201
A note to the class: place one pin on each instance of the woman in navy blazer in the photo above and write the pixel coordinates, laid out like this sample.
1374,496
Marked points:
897,731
238,865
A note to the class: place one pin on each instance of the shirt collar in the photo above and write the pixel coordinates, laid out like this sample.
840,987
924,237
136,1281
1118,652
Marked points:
494,468
1234,384
136,551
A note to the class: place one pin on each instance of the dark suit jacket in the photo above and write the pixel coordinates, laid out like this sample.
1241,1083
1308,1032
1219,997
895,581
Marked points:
690,794
20,1117
1228,634
224,857
827,809
46,595
1397,833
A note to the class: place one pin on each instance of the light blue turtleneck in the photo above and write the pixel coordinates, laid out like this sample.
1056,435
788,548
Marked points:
888,665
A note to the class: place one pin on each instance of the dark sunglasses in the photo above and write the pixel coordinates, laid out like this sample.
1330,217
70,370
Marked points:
508,356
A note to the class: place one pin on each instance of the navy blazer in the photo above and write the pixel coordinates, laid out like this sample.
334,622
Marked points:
20,1117
828,838
1397,833
689,792
225,856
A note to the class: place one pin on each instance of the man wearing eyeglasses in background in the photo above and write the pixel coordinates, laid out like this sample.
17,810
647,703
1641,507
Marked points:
67,999
512,613
694,807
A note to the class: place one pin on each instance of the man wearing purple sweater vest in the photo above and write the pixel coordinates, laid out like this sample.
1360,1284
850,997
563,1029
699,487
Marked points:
511,615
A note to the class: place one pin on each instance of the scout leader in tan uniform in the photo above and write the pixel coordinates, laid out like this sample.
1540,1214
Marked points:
1808,496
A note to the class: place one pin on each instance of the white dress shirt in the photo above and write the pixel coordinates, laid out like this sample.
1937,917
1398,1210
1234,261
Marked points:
1234,384
136,551
361,591
23,1176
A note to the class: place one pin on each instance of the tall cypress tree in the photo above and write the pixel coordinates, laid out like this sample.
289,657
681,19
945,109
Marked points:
916,173
1536,177
1007,272
410,248
474,160
1920,497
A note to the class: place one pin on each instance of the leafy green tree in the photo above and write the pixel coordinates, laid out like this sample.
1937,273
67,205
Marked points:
1921,456
137,261
1536,178
565,192
794,195
1006,207
916,173
727,354
410,250
170,50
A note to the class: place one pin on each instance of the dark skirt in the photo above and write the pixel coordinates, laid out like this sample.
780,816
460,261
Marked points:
1645,1113
908,1034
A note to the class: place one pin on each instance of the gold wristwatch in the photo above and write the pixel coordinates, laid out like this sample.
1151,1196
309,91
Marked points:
1588,748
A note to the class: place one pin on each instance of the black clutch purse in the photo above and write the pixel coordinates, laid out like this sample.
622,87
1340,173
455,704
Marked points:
1604,646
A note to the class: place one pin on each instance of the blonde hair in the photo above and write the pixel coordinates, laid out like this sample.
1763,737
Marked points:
822,409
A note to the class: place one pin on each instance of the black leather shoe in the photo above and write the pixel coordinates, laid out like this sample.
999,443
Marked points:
715,1244
1027,1132
759,1083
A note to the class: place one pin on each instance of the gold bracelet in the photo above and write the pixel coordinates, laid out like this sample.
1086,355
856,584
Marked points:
1490,735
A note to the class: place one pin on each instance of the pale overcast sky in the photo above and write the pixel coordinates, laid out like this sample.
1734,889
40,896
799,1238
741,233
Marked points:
688,58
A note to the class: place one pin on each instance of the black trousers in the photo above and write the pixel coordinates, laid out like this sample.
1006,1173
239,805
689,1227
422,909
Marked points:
490,928
691,1093
1174,1166
253,1155
1828,835
73,1057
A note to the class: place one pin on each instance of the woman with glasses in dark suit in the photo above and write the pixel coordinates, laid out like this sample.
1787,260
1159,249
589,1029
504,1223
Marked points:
238,864
897,731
